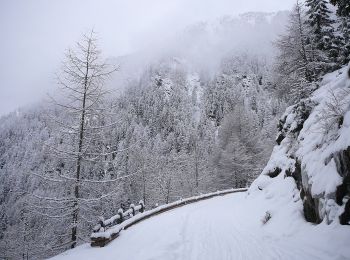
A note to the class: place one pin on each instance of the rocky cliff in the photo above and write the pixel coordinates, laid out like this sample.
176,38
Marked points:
311,162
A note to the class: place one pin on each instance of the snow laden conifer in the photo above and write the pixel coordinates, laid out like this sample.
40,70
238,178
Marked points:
320,22
343,7
324,44
295,63
343,13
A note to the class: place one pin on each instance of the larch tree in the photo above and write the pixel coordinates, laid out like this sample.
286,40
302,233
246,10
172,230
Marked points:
84,156
295,66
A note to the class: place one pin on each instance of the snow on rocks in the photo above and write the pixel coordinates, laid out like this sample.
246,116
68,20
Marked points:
312,159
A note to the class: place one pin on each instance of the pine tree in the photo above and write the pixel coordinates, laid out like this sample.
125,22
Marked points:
343,7
343,38
321,36
343,12
320,22
344,28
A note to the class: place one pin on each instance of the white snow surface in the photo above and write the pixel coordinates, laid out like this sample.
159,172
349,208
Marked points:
227,227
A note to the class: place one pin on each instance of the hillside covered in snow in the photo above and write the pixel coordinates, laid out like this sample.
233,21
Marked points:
180,126
303,182
311,161
190,115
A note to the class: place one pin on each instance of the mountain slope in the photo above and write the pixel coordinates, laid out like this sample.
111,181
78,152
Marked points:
306,180
179,130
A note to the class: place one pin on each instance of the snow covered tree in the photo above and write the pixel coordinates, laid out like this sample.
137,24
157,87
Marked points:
239,157
172,124
295,66
321,23
322,36
343,7
82,155
343,12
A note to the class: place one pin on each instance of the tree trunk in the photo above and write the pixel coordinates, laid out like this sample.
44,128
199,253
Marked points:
308,75
80,148
144,186
196,168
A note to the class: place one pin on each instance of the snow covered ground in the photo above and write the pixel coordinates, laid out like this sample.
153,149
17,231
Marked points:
227,227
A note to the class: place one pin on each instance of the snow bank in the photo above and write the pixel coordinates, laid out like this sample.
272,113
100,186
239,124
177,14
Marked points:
308,172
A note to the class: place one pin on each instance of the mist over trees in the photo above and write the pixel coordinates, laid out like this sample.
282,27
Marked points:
171,135
175,131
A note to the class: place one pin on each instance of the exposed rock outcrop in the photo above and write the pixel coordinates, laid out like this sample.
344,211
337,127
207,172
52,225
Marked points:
293,120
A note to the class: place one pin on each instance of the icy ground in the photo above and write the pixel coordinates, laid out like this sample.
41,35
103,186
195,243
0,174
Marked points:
227,227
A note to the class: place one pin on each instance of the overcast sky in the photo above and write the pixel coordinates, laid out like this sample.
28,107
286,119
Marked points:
35,33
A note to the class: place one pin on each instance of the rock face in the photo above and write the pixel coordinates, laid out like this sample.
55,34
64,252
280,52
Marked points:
313,149
342,161
275,172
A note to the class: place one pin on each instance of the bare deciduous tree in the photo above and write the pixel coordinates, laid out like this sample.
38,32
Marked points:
83,153
332,115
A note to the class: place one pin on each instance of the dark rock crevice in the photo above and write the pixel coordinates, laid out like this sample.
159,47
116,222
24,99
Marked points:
310,208
342,194
310,204
296,174
274,173
342,161
344,218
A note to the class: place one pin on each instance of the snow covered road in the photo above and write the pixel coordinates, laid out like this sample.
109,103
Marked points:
227,227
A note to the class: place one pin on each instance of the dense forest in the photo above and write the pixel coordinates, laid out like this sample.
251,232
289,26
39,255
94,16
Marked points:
176,130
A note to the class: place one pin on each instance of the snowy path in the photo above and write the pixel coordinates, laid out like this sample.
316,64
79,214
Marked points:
227,227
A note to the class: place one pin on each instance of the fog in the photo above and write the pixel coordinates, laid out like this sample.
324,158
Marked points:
35,33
